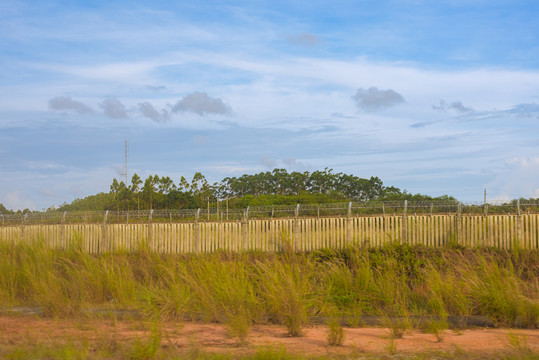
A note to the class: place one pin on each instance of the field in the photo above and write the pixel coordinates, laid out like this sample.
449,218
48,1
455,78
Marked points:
352,302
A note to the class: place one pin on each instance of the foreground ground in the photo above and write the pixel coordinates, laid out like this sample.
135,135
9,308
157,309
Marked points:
35,337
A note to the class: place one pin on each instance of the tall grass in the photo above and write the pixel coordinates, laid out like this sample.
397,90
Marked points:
284,288
397,282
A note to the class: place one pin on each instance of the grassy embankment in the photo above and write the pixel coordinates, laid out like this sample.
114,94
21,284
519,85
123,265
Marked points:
398,283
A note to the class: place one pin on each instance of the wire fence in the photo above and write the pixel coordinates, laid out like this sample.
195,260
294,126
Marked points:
222,213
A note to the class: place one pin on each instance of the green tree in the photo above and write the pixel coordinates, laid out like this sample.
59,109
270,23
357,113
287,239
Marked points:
136,181
3,210
149,190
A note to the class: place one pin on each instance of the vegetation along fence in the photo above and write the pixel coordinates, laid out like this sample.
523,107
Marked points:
303,234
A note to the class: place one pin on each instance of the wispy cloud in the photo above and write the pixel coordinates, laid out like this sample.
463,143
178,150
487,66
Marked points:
373,99
455,105
123,72
268,162
305,39
517,178
525,110
293,163
155,88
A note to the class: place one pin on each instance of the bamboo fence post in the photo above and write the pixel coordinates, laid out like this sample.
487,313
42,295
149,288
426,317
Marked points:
404,228
349,225
295,229
104,235
63,231
150,230
23,220
457,225
245,230
196,233
519,225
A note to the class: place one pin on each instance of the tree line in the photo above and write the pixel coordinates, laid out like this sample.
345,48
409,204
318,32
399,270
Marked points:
277,187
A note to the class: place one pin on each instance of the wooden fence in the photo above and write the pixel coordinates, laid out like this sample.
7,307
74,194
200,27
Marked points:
501,231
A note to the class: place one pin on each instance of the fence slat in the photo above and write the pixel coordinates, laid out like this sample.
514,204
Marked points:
305,234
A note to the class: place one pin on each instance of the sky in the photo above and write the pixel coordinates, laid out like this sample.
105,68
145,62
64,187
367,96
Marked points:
435,97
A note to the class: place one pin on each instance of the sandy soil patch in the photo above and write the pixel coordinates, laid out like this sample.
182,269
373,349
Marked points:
20,330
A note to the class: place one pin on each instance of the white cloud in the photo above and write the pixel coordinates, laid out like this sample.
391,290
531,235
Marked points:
202,104
16,200
268,162
305,39
455,105
147,110
44,165
66,103
113,108
517,179
373,99
296,165
123,72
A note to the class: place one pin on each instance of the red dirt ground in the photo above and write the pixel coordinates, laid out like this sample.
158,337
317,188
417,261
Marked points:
19,330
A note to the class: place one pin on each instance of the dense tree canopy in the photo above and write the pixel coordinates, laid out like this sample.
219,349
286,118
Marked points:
277,187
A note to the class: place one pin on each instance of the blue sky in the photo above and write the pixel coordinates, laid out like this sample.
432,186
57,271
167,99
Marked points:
433,97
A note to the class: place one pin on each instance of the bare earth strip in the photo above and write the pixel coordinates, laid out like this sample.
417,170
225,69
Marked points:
21,330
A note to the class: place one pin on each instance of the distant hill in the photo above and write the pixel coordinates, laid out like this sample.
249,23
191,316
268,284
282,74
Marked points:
277,187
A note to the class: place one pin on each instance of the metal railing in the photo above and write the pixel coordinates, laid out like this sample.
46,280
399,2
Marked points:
350,209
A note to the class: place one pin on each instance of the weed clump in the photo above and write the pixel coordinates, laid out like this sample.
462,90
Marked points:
335,333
